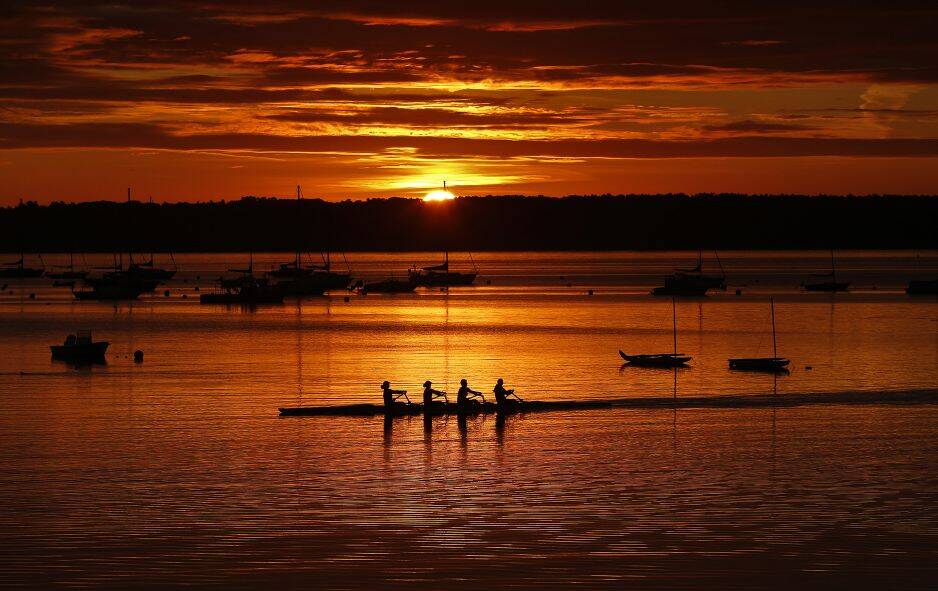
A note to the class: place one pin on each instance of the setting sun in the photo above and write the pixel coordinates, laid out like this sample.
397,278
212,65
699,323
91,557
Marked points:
439,195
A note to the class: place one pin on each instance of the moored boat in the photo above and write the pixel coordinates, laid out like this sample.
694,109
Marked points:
657,359
80,347
109,291
674,359
244,289
386,286
441,276
922,287
692,282
19,270
774,364
831,285
769,364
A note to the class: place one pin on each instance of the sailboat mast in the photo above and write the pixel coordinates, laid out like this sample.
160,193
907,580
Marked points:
774,343
298,232
674,322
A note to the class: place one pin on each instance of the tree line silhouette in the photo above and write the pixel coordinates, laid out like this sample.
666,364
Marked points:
512,222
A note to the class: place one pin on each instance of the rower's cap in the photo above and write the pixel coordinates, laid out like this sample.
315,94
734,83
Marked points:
463,382
427,384
501,381
386,384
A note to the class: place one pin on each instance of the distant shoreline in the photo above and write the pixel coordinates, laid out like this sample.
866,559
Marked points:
504,223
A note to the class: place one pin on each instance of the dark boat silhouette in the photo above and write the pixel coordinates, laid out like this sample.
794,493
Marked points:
71,273
830,286
922,287
19,270
116,279
441,408
299,279
774,364
109,291
441,276
80,347
244,289
660,359
386,286
146,271
692,282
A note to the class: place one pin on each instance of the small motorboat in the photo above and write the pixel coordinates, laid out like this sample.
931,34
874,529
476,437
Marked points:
657,359
80,347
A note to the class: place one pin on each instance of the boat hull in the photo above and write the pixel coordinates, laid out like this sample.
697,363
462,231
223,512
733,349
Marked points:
82,352
369,410
922,287
686,291
108,292
21,273
443,279
766,364
657,359
827,286
389,286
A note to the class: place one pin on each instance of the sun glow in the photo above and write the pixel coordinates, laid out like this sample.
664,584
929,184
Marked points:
439,196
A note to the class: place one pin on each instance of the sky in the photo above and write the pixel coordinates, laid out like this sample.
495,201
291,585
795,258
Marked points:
188,101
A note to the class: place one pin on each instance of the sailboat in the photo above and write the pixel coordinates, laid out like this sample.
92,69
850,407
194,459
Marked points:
244,289
148,272
692,282
922,286
829,286
19,270
770,364
301,280
660,359
441,276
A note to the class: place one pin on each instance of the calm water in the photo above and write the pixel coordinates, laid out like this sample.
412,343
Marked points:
178,470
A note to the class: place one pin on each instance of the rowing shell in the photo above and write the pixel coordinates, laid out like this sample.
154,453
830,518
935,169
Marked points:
370,410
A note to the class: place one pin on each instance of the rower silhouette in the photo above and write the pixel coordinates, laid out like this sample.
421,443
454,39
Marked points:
430,395
391,396
466,397
502,395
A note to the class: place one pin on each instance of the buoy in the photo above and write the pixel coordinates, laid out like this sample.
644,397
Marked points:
590,292
808,367
185,296
138,356
32,296
166,293
197,288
